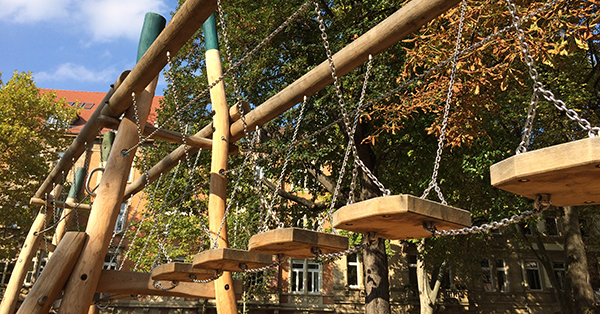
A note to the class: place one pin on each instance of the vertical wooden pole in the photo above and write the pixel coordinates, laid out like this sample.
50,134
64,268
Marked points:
226,303
82,283
67,215
32,241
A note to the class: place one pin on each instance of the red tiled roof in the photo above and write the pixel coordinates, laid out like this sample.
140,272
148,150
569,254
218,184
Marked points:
88,102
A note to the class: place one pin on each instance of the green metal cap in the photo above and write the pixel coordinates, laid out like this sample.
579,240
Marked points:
211,38
153,25
77,182
107,141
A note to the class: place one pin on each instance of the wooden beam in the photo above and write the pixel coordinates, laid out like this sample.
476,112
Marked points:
47,245
226,303
132,283
87,135
103,216
67,216
68,204
167,135
183,25
32,241
396,27
55,275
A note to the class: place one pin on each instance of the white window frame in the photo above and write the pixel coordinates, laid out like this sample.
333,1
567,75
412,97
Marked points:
501,268
114,265
487,277
303,275
122,218
534,267
353,264
5,275
559,271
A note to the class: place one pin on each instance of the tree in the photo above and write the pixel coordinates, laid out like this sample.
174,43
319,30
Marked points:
32,126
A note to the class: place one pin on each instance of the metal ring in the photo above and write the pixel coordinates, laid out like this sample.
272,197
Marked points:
87,182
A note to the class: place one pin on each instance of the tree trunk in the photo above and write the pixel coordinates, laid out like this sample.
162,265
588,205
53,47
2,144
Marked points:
427,295
578,288
375,266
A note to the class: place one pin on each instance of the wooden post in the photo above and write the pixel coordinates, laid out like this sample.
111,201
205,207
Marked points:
81,285
225,296
32,241
67,215
407,20
55,275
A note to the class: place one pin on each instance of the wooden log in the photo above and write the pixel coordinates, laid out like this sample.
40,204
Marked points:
168,135
296,242
226,303
47,245
86,135
181,272
234,111
55,275
128,283
231,260
32,241
67,216
183,25
396,27
68,204
103,216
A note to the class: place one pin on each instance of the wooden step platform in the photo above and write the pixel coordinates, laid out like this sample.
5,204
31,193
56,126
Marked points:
296,243
227,259
399,217
181,272
569,173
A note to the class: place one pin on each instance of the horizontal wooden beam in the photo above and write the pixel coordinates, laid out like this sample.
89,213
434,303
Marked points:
128,283
47,245
184,24
69,205
396,27
87,135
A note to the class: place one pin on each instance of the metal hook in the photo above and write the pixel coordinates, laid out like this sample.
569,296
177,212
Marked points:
87,182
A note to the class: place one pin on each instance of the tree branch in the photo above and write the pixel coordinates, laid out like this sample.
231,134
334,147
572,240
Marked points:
300,200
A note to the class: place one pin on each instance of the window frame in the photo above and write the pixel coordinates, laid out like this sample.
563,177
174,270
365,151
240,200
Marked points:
353,264
486,271
504,270
534,270
303,275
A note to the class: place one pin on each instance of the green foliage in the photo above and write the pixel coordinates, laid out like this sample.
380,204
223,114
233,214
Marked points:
32,127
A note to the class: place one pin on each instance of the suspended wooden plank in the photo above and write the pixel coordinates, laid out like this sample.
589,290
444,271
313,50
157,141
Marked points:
296,243
399,217
569,173
227,259
128,283
184,272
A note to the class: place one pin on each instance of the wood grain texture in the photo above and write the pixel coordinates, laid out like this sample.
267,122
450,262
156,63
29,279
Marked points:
55,275
296,243
230,259
569,173
399,217
180,272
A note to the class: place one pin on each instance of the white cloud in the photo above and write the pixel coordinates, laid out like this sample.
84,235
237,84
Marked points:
103,20
70,71
107,20
32,11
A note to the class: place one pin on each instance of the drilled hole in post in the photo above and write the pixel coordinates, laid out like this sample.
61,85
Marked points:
84,277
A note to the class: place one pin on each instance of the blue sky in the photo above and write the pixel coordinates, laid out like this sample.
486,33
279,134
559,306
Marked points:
74,44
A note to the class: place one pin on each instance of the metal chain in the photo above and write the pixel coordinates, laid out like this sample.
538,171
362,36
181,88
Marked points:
259,269
341,102
226,74
433,184
367,240
541,203
157,285
539,86
284,167
218,274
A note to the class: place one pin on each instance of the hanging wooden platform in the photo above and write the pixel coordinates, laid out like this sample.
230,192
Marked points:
296,243
399,217
569,173
234,260
180,272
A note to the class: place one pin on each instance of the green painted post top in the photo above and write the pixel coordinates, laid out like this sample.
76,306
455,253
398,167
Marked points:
107,141
211,39
77,182
153,25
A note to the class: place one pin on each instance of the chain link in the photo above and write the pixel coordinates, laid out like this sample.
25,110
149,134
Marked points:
217,275
157,285
433,184
539,87
259,269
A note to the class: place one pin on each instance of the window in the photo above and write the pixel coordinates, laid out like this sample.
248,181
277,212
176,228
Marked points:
559,272
305,276
533,275
111,261
254,279
38,263
6,267
122,218
488,281
501,275
412,274
551,227
352,270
